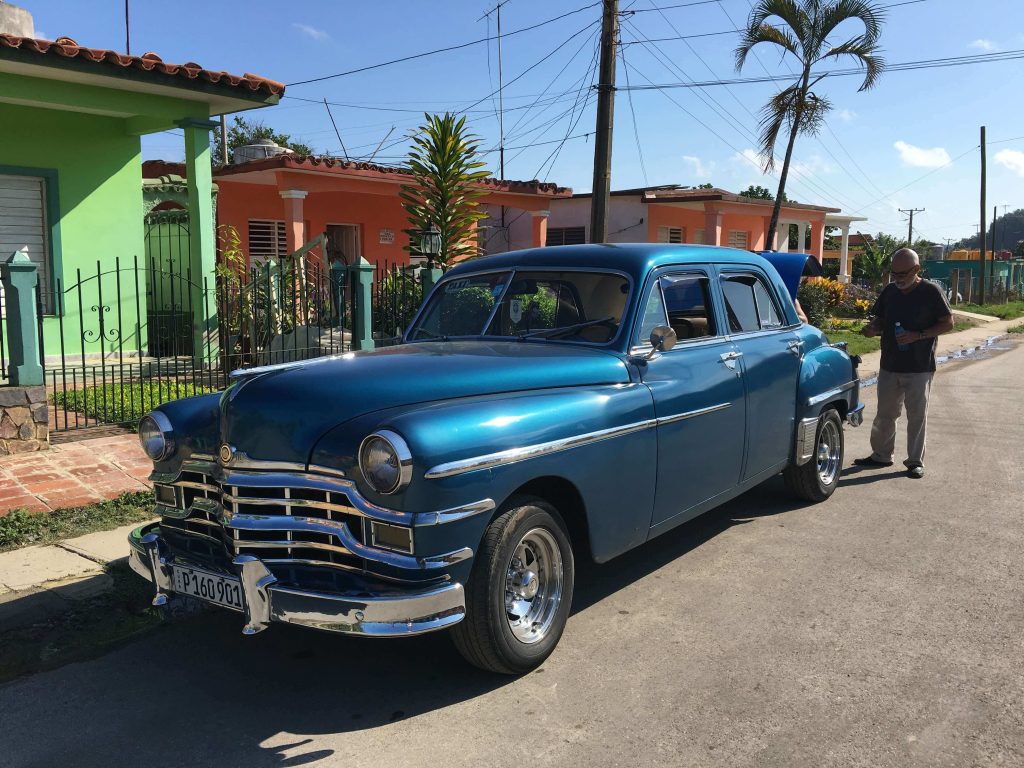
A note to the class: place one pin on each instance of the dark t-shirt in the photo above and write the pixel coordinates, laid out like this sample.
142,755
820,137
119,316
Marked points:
918,310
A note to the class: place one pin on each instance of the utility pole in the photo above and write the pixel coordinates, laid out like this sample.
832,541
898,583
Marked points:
910,231
982,228
223,140
605,118
127,31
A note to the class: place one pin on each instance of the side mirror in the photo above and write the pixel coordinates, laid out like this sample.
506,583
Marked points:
663,338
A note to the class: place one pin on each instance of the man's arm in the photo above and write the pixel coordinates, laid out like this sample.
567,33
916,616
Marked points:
874,327
944,325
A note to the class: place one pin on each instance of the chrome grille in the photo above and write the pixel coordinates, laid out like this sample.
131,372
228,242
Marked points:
206,500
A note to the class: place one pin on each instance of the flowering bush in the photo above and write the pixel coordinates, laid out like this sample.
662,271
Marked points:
822,298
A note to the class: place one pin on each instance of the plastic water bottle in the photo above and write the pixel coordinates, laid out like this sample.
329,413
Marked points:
899,330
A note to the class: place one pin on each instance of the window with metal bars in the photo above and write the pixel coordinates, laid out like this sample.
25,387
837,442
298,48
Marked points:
670,234
267,240
567,235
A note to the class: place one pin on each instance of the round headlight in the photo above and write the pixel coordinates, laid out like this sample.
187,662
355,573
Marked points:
385,461
156,436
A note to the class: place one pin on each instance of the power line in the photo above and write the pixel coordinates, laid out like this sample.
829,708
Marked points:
632,112
446,49
952,61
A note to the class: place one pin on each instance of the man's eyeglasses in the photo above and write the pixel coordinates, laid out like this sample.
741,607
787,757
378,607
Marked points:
904,273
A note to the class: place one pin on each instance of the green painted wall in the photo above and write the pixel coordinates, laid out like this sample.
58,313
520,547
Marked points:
99,179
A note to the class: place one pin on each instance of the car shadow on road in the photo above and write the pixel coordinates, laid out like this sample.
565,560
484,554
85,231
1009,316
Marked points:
200,688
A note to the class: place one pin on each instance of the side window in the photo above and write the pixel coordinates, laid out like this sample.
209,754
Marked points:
688,302
654,315
749,305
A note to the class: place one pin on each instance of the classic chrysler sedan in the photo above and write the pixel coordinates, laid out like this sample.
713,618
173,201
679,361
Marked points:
546,405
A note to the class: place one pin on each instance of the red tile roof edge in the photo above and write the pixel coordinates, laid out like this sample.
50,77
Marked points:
335,165
66,48
722,195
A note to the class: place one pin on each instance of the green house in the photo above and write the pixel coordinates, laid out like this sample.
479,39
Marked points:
71,188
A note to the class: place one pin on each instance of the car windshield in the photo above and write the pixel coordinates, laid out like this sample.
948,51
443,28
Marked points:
569,305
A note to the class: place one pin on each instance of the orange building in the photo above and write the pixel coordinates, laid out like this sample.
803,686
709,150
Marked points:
278,203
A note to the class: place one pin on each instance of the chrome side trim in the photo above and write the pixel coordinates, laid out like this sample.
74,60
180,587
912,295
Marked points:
426,519
692,414
514,455
828,395
806,432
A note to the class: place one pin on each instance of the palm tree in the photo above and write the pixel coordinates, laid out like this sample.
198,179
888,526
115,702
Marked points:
804,32
445,169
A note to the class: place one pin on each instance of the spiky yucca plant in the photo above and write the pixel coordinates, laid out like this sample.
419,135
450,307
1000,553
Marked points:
802,28
445,168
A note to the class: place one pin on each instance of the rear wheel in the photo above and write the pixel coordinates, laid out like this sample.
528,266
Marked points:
520,591
818,478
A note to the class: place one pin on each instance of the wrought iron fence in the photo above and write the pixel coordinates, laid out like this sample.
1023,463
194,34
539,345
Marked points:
130,334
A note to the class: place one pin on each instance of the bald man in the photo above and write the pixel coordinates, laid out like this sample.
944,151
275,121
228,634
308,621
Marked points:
908,359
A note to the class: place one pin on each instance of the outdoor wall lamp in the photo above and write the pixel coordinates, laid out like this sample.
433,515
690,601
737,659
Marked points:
430,243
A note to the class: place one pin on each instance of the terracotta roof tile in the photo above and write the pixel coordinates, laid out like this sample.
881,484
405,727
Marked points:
337,165
65,47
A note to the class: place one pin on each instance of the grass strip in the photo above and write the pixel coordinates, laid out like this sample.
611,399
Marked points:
21,529
1009,311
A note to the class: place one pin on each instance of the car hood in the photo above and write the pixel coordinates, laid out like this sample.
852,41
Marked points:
278,413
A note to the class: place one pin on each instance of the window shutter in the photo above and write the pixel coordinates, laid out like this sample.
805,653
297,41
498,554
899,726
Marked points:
738,239
23,226
566,235
670,234
267,240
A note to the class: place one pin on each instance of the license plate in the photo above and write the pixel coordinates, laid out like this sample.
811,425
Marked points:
212,587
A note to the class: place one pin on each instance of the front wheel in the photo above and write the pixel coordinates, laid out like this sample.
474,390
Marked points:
520,591
817,479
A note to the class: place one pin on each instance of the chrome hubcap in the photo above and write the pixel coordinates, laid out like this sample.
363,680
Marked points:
533,586
829,442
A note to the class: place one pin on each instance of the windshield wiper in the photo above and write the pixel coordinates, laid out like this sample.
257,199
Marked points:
550,333
431,337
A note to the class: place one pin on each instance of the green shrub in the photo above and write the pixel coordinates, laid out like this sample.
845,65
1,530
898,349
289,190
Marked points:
20,528
816,300
125,403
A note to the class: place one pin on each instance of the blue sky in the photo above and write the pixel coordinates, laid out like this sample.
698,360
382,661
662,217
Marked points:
882,150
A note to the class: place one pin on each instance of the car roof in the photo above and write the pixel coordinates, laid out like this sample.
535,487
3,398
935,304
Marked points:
635,259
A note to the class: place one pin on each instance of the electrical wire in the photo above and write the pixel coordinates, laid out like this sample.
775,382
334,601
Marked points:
446,49
632,112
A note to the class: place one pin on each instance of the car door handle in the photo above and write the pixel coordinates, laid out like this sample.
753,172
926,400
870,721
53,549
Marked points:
730,358
795,346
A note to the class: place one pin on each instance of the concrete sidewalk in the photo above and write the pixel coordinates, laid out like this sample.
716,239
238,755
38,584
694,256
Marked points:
39,582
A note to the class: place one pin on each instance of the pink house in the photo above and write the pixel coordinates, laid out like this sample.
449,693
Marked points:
674,214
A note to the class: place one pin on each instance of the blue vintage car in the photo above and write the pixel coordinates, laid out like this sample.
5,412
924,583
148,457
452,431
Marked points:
545,405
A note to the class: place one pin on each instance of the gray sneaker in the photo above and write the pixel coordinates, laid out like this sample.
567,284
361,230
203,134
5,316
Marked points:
915,472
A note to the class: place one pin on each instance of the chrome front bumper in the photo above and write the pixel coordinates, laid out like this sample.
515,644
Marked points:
378,615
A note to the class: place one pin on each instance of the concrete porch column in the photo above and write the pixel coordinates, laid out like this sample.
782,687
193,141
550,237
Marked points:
539,221
712,226
202,243
294,218
818,239
844,255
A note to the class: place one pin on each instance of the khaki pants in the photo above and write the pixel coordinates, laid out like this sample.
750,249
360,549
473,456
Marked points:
895,390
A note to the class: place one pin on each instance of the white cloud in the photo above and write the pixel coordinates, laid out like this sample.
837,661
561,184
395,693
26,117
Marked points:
813,166
700,169
920,157
984,45
846,115
1012,159
317,34
748,158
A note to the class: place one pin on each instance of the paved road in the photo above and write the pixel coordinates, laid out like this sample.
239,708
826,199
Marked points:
883,628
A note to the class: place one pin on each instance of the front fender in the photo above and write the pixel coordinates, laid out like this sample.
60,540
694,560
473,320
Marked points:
600,439
196,425
827,377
